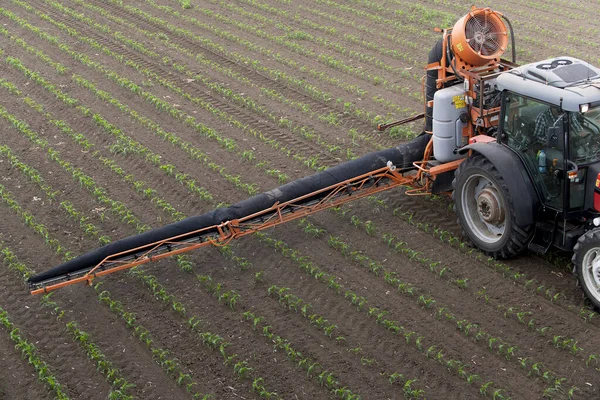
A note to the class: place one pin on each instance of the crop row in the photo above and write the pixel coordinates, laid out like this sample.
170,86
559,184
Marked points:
77,174
118,208
255,64
83,338
170,365
144,336
293,34
405,43
313,91
314,369
245,100
519,313
124,143
349,107
30,353
29,219
241,368
403,21
163,106
61,69
288,40
120,385
295,303
229,301
532,285
237,39
66,205
493,343
323,376
160,104
102,94
392,326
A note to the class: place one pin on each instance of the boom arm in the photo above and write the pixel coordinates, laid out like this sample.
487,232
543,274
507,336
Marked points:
219,235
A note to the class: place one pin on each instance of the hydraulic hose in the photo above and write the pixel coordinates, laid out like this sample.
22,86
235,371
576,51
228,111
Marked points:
512,40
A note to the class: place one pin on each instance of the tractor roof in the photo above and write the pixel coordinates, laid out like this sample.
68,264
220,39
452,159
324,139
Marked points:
574,81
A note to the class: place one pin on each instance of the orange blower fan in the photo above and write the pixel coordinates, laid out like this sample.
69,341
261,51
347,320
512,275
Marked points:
479,38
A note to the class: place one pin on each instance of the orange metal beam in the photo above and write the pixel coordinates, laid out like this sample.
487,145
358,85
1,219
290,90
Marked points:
365,185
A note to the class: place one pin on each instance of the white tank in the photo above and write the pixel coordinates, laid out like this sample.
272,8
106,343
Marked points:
448,104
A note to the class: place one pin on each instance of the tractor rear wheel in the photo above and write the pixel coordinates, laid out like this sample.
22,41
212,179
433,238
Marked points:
485,210
586,258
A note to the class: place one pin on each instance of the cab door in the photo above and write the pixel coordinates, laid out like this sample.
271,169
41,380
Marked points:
542,156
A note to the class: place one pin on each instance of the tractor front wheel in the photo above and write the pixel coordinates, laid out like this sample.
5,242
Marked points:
485,209
586,258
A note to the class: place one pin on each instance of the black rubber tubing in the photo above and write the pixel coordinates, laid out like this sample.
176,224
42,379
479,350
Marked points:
401,156
435,56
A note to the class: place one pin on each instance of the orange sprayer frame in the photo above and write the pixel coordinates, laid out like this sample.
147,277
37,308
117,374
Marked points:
364,185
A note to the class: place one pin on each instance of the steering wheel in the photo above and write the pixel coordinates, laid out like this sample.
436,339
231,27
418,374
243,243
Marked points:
591,125
588,139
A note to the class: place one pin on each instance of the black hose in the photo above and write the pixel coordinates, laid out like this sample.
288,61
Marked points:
450,57
512,40
402,156
435,56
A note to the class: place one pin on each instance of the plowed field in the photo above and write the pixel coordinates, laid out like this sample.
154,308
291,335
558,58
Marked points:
121,116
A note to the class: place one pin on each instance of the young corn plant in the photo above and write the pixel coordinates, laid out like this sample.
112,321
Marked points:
30,353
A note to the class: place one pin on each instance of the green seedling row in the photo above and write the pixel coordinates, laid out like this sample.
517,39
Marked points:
171,366
229,297
532,285
61,69
290,36
30,353
318,74
312,90
84,180
103,364
495,344
298,305
33,175
161,105
444,272
241,368
94,353
242,100
321,276
125,144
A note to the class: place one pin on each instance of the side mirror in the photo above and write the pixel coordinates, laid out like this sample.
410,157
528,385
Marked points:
572,171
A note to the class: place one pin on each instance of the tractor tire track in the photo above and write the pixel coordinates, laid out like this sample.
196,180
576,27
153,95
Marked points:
198,91
347,120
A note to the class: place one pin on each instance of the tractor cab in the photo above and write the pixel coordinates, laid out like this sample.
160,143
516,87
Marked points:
551,120
538,184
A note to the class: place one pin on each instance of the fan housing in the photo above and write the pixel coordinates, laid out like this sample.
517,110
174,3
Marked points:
479,38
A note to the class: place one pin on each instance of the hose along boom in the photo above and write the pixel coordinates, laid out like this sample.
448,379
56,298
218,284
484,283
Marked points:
221,234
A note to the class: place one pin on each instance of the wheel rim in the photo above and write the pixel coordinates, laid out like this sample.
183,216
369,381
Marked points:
483,207
591,271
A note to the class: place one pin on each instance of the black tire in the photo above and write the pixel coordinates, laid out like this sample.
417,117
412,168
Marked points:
479,188
586,251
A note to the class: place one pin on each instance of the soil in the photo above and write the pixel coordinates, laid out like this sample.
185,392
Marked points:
244,51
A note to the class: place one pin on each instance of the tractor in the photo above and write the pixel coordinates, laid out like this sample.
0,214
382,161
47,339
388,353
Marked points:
517,147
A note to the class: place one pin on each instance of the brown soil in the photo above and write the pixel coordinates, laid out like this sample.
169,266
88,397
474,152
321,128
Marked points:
360,352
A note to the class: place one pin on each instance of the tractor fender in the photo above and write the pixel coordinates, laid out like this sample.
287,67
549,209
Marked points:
512,169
